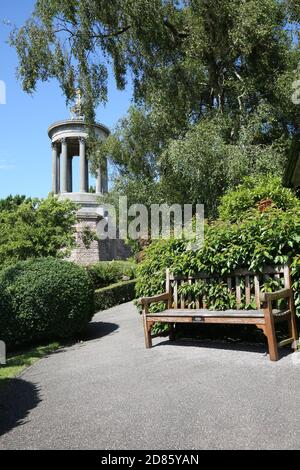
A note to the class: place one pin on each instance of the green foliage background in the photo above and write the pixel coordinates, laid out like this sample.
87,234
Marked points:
35,228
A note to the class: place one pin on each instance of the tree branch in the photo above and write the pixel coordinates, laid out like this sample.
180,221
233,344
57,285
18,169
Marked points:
113,34
178,34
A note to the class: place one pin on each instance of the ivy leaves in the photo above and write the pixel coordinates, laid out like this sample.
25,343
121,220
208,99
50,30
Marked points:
254,240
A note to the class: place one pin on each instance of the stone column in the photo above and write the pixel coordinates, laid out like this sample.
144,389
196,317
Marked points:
54,168
87,175
64,166
58,172
105,177
99,182
82,167
102,179
70,175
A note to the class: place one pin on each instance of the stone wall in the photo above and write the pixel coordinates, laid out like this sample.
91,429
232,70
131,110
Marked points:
103,250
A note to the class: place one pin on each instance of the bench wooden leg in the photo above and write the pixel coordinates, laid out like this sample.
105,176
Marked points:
272,341
293,331
270,331
147,332
171,332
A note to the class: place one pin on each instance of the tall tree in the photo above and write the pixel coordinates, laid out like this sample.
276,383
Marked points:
12,202
191,61
195,55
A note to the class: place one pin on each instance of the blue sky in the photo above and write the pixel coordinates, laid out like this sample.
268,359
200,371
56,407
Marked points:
25,153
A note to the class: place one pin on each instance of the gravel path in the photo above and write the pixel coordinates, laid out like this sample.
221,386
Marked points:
111,393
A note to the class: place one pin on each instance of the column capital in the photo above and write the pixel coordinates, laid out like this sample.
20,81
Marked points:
54,145
63,140
82,140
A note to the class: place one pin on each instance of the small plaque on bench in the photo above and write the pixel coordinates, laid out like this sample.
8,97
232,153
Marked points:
198,319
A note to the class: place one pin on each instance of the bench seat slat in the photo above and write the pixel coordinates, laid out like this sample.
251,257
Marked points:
209,313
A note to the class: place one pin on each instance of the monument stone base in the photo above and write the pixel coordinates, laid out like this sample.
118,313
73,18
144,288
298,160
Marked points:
89,215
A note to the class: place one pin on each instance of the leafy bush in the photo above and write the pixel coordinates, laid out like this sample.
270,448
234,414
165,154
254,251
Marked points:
116,294
44,299
110,272
36,228
245,198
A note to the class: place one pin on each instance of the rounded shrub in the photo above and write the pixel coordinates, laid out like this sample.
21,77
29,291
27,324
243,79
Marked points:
42,299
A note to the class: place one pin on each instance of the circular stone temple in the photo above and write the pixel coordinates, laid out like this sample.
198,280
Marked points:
69,139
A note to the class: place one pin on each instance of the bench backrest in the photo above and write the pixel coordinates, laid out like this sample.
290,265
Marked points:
241,289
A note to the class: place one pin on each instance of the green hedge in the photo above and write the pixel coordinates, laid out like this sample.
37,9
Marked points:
115,294
106,273
44,299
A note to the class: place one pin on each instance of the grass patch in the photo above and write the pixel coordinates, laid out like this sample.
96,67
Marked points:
17,362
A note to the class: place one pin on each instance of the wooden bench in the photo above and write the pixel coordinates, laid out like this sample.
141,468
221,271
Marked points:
246,289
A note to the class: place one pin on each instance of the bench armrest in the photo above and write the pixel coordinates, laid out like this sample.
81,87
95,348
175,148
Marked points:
154,299
280,294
